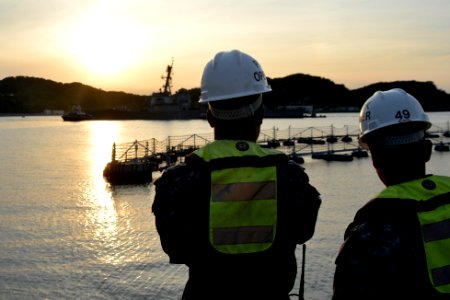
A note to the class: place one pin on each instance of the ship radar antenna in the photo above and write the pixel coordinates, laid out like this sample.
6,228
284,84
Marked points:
168,79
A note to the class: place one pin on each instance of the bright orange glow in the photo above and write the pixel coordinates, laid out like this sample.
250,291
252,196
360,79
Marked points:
106,43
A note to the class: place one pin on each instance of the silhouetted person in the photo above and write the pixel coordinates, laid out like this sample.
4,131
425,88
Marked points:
234,212
398,246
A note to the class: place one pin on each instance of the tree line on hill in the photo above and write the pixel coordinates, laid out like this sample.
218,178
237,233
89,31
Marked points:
23,94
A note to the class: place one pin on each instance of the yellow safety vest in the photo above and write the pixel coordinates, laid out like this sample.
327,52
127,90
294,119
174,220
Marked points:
243,201
433,211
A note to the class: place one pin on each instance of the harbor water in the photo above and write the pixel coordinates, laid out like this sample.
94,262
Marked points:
66,234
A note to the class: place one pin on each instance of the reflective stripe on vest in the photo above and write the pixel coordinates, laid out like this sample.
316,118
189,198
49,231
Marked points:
243,202
433,211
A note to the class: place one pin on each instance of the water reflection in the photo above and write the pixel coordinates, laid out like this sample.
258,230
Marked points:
103,215
103,135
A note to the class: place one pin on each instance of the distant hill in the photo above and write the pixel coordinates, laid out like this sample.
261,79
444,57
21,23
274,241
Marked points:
431,98
24,94
301,89
325,95
32,95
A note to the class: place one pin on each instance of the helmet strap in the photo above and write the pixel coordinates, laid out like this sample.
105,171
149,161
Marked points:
238,113
404,139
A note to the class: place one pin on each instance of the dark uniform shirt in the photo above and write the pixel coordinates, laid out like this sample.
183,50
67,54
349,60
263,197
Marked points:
181,208
383,255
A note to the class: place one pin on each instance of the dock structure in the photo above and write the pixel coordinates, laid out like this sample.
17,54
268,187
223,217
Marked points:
314,141
161,153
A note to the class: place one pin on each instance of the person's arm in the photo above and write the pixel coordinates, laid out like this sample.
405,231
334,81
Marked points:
352,277
167,218
179,210
379,258
304,202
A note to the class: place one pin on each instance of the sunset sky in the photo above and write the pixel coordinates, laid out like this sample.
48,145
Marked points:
125,45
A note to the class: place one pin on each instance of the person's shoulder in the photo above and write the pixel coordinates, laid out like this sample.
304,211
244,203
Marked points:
293,178
192,169
387,210
295,172
380,218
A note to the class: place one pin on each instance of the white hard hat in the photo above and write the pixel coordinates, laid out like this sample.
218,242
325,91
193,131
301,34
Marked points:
392,108
232,74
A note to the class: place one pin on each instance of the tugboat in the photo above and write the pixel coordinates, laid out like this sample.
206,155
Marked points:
76,114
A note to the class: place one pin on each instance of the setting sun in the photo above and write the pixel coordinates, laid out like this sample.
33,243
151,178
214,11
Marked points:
105,43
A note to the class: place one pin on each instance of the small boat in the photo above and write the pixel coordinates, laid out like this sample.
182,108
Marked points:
76,114
447,132
358,153
430,135
346,139
442,147
289,142
331,139
331,156
310,140
273,143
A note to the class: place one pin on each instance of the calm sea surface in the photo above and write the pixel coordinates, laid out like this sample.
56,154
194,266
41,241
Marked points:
66,234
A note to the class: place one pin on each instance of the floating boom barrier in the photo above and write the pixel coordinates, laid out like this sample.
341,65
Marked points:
314,141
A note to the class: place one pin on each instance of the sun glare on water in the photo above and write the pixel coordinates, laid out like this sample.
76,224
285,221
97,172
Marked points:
105,43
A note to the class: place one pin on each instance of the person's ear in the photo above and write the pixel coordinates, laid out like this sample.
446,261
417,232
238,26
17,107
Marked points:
210,118
427,149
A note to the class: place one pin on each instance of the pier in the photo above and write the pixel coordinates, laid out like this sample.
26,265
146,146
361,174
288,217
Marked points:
318,142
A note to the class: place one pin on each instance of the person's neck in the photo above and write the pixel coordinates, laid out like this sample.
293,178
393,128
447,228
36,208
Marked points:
393,178
235,135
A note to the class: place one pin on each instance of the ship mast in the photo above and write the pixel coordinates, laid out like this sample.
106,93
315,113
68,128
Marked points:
164,97
168,78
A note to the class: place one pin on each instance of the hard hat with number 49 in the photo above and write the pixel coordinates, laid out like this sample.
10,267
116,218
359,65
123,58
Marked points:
232,74
390,108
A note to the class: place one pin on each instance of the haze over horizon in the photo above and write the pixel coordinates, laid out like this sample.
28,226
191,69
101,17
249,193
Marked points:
126,45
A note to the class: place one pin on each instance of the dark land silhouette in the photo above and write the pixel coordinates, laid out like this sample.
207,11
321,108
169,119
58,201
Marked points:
31,95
